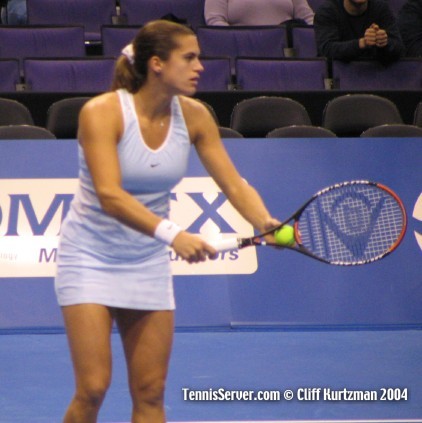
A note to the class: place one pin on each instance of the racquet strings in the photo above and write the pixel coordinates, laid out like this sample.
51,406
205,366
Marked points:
351,224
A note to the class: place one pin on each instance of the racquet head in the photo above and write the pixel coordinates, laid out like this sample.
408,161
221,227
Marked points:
351,223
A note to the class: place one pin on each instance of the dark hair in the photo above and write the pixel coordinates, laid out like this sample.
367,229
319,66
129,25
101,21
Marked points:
156,38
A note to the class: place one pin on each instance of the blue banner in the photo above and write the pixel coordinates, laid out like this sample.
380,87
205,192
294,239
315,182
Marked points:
242,288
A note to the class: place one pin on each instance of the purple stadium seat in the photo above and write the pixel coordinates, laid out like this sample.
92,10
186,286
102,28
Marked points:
90,14
114,38
13,112
303,41
216,75
25,132
256,116
19,42
281,75
226,132
139,12
76,75
63,115
393,130
405,74
417,117
256,41
351,114
9,71
301,131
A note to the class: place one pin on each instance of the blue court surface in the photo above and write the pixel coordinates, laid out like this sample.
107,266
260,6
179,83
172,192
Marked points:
348,376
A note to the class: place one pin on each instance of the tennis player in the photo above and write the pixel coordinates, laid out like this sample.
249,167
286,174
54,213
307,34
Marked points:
113,261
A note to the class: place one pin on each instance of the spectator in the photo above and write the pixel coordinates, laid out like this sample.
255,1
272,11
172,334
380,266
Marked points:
410,26
357,29
13,12
257,12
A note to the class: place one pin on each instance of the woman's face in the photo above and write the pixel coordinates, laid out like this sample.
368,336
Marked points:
181,72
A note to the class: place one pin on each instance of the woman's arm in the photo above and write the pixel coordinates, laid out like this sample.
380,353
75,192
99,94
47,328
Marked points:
216,12
213,155
302,10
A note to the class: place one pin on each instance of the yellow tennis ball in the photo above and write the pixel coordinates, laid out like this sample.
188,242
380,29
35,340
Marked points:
285,235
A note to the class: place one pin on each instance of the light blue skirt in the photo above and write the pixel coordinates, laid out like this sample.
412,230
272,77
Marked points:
84,276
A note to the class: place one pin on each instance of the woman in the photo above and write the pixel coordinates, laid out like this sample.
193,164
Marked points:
113,262
257,12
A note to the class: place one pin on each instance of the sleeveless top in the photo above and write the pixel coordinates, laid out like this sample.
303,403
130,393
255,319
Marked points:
149,175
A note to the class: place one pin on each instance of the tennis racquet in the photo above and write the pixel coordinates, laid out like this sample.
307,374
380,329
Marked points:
346,224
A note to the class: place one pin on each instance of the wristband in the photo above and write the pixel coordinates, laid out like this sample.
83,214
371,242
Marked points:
166,231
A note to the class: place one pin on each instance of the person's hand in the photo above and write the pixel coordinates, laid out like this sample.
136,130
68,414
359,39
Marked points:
381,38
370,37
271,223
374,36
192,248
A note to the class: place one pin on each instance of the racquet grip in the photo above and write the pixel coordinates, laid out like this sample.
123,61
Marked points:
225,244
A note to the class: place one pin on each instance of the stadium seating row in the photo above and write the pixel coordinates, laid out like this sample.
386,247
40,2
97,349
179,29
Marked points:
242,58
87,75
42,40
94,75
346,116
92,14
351,115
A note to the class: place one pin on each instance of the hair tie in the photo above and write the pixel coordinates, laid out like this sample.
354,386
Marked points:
129,53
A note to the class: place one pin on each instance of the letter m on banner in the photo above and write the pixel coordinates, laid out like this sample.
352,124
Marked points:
21,203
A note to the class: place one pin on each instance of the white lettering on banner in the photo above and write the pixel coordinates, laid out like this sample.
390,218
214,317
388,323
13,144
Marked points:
417,214
32,210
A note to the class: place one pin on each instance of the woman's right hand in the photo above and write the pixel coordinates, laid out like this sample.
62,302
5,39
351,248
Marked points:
192,248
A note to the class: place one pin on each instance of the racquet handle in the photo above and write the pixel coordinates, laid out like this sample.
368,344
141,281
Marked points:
225,244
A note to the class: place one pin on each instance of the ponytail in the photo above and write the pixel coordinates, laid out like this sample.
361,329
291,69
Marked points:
125,76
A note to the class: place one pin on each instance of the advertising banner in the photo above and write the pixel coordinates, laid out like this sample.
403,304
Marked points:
258,287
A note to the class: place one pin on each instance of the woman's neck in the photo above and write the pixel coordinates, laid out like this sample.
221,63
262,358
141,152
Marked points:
152,105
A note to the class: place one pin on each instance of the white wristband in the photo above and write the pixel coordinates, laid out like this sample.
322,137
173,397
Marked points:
166,231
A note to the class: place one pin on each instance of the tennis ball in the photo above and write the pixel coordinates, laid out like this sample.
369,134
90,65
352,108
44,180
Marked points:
285,235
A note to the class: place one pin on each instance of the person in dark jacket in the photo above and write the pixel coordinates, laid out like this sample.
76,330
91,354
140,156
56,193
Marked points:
13,12
410,26
357,29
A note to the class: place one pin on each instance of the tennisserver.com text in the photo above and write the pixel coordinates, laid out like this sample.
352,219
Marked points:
300,394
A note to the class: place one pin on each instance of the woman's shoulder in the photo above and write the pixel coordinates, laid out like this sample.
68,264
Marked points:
197,111
199,116
108,101
102,113
193,106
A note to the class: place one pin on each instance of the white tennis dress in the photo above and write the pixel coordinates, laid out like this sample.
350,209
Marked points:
103,261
